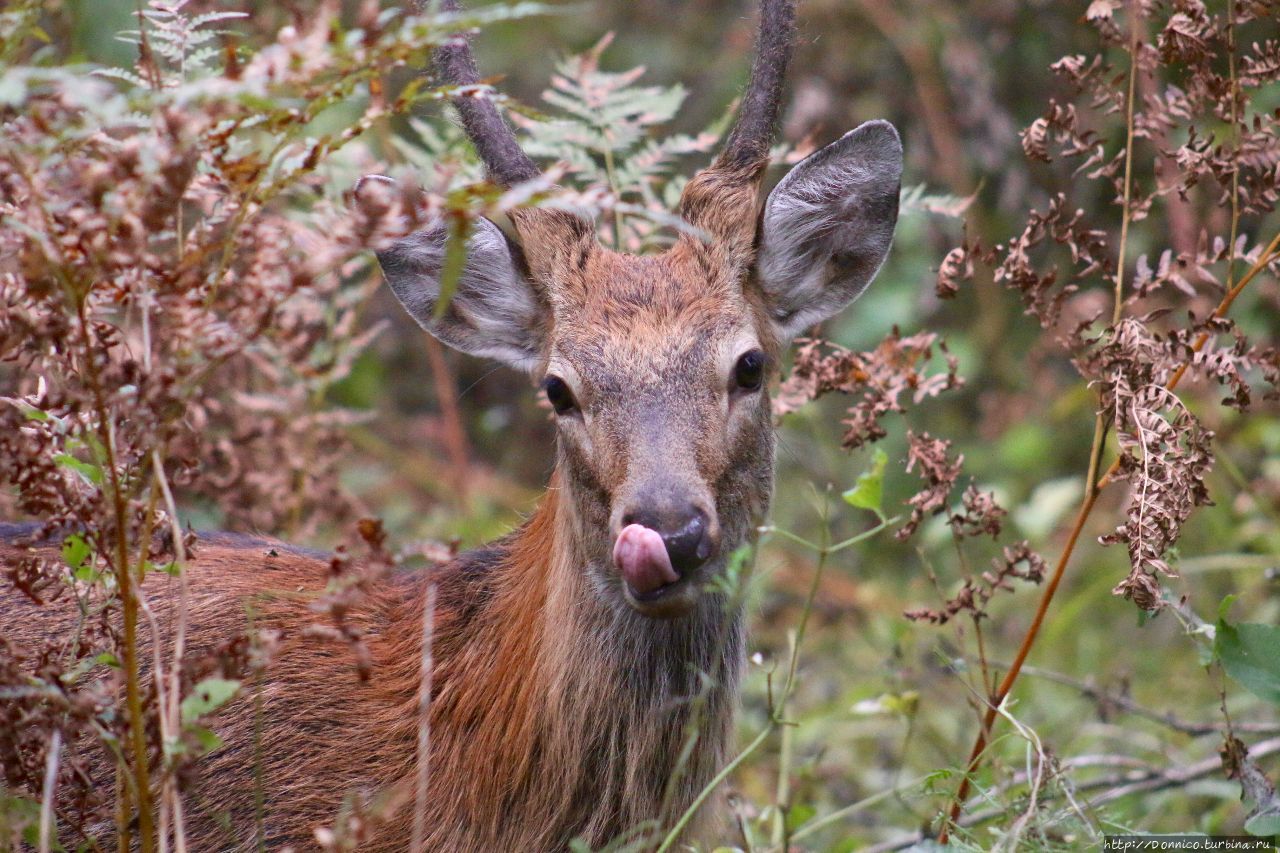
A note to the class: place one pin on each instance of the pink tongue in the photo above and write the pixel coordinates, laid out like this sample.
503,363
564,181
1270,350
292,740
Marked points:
642,558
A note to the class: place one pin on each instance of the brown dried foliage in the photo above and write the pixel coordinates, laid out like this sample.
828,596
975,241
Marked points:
879,379
179,288
1017,562
1185,90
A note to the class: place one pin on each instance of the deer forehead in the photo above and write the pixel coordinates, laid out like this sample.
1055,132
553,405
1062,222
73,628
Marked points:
657,310
649,335
649,353
681,281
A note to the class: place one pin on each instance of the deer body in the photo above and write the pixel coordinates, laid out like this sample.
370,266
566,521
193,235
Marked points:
546,723
585,668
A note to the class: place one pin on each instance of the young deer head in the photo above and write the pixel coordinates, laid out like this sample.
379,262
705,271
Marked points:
657,366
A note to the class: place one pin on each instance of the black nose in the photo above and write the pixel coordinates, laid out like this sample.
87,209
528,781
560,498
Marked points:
686,535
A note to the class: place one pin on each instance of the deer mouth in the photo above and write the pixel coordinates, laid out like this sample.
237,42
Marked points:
652,584
642,559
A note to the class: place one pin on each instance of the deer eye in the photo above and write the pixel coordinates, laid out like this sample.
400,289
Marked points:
559,395
748,373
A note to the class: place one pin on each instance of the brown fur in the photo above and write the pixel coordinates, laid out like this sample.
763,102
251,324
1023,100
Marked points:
546,724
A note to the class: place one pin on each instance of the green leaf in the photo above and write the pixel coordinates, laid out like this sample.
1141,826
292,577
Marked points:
868,491
1264,824
1250,653
87,574
91,473
206,740
800,814
77,554
934,781
208,696
455,259
75,551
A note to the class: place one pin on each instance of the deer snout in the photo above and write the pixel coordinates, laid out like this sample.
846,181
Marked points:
656,548
688,541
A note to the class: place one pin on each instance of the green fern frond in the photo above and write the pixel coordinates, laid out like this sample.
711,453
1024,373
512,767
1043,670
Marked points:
604,127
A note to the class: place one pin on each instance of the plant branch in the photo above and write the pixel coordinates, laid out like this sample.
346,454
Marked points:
854,808
128,597
48,794
172,709
1128,705
715,782
1113,787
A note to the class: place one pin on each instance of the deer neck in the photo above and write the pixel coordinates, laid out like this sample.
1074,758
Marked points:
590,693
592,636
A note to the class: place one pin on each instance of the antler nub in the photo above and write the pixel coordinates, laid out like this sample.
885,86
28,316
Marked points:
503,158
723,200
752,135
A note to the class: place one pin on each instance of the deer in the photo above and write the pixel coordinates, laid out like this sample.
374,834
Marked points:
586,666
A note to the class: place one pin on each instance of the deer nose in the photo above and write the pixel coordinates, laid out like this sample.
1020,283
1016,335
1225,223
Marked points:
686,535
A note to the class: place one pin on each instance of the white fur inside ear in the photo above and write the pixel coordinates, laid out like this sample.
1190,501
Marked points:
828,225
494,311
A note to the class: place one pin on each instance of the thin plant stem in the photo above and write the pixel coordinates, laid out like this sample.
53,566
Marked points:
1269,254
128,598
715,782
418,839
613,186
776,717
124,804
173,709
839,546
824,551
49,792
157,664
1126,215
854,808
1235,136
455,432
782,791
987,683
862,537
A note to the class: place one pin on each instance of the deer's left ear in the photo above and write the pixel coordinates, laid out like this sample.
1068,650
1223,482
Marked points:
494,312
828,225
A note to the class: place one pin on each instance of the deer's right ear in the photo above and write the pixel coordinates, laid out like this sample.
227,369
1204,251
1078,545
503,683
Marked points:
494,311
